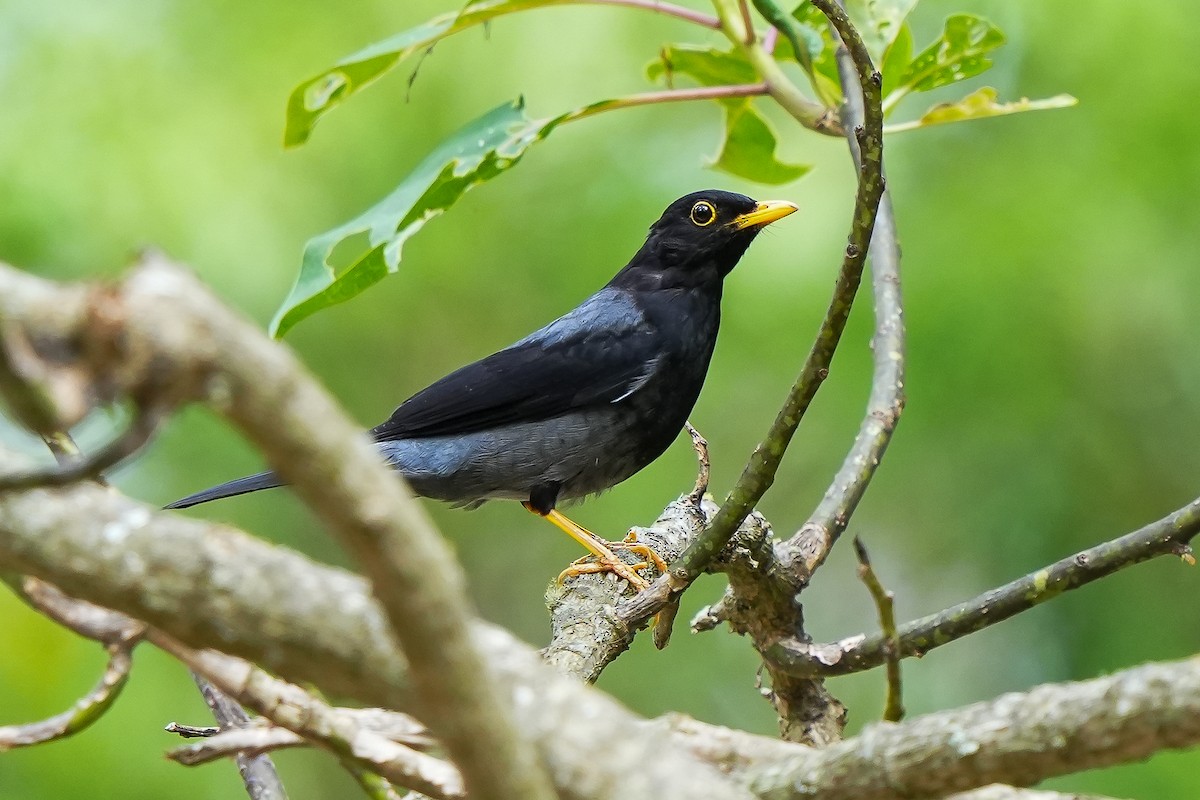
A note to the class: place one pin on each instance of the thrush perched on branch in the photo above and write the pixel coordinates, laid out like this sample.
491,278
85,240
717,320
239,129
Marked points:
585,402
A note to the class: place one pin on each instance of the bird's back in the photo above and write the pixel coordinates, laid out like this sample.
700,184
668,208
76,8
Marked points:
582,403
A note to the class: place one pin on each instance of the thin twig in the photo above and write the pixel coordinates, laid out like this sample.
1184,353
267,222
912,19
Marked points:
235,742
812,543
893,709
808,112
258,772
86,710
141,428
1168,536
760,470
372,741
700,445
747,23
192,731
669,9
667,96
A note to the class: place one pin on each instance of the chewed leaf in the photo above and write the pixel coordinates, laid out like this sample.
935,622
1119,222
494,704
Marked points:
959,53
749,147
980,105
321,93
368,246
707,66
878,22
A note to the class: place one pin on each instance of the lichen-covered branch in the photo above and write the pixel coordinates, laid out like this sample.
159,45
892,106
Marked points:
588,625
161,339
210,586
215,585
1168,536
1019,739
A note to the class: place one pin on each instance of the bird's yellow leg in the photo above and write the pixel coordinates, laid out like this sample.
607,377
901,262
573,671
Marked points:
594,545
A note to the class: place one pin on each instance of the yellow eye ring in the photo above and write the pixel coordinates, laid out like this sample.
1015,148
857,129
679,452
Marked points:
703,213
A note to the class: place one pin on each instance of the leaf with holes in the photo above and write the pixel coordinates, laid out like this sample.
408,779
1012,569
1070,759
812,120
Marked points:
368,246
959,53
981,104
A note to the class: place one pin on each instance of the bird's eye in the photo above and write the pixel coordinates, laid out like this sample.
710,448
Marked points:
703,213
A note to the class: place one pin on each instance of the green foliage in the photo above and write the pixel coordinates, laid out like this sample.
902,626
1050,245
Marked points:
748,149
879,22
1052,321
821,65
960,53
324,92
346,260
980,104
479,151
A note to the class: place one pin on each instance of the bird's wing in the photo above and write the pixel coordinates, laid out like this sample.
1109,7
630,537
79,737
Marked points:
598,353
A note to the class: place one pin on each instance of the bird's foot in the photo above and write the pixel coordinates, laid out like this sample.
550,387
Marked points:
632,544
590,565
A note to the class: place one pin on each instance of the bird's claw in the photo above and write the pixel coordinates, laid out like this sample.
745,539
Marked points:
590,565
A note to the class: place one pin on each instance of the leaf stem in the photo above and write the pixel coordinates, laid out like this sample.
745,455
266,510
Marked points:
669,9
1168,536
667,96
801,107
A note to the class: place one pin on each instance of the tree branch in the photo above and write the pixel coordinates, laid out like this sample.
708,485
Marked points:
161,338
258,772
1018,739
861,84
86,710
1168,536
223,588
208,585
893,710
143,426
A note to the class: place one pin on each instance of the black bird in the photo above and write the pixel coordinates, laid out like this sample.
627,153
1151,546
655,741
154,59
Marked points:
585,402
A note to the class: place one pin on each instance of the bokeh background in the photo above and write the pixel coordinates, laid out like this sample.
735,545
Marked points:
1052,291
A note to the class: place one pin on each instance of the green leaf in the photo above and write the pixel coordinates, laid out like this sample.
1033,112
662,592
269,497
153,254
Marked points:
707,66
878,22
748,149
959,53
824,72
980,105
478,152
321,93
896,60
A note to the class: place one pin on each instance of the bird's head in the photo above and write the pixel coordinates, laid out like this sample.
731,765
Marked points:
701,236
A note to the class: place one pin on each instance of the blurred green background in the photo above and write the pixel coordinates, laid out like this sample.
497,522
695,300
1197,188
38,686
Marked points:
1051,286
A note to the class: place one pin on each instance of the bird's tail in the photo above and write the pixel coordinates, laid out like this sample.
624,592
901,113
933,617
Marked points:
251,483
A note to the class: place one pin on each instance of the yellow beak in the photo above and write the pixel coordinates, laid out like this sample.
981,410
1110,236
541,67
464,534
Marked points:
764,214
